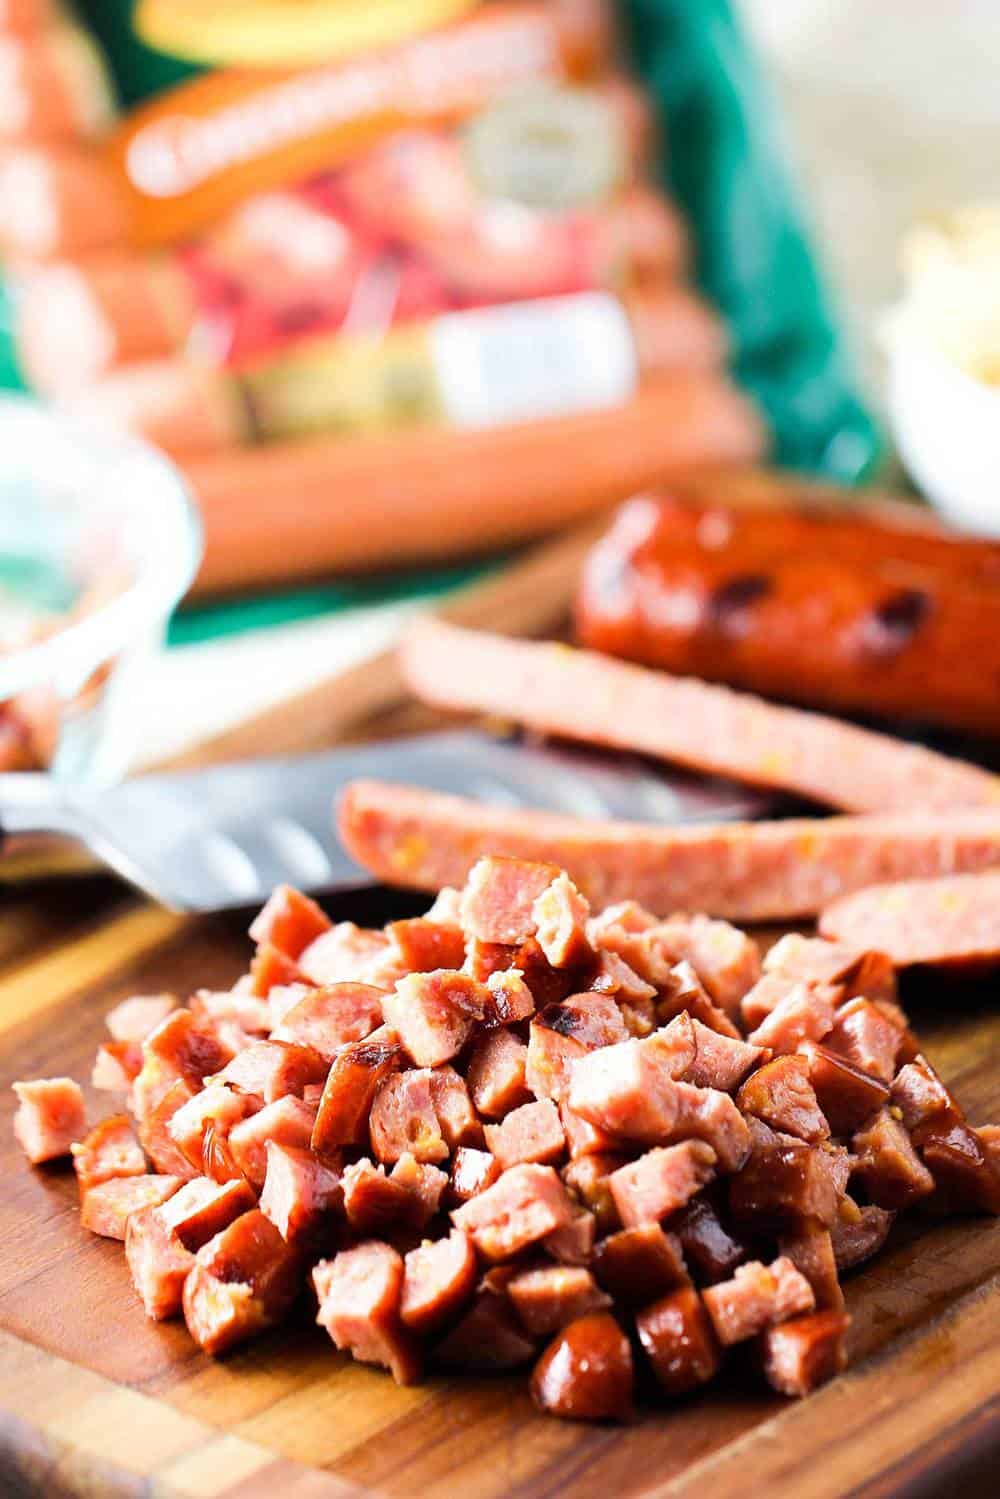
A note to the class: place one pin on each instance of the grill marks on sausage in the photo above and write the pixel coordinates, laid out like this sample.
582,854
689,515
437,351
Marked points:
516,1123
895,621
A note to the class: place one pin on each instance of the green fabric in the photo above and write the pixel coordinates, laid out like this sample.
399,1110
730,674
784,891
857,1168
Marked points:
727,166
201,622
10,374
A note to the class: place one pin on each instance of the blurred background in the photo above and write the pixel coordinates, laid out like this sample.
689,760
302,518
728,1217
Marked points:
402,292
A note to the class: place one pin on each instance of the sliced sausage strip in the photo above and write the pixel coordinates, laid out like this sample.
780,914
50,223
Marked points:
951,923
583,695
765,871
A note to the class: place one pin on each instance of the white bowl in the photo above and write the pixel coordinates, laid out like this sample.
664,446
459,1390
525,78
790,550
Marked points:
946,426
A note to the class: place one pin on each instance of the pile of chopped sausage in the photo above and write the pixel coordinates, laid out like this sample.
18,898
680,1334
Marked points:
512,1132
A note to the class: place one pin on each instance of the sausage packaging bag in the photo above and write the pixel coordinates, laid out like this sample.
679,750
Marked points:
348,220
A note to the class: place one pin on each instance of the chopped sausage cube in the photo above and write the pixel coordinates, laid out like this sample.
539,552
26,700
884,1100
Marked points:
217,1108
233,1007
582,1137
719,1061
683,990
242,1282
300,1191
677,1338
351,1085
499,898
178,1049
627,1089
484,959
273,1070
496,1073
770,989
116,1066
725,959
50,1116
805,1013
639,1265
472,1171
438,1279
781,1094
456,1116
758,1296
867,1037
573,1242
422,945
560,915
526,1203
965,1177
531,1133
289,921
661,1181
676,1044
610,974
344,954
586,1372
158,1263
511,999
888,1166
711,1249
866,973
425,1184
154,1131
133,1019
110,1150
846,1095
855,1238
434,1014
271,969
326,1019
920,1096
403,1118
782,1184
289,1121
810,1249
203,1208
360,1293
588,1177
802,1354
106,1208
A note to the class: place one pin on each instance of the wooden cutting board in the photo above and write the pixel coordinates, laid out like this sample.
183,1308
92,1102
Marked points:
96,1400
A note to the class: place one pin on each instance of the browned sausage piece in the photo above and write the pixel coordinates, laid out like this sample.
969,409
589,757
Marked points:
856,1239
846,1095
802,1354
548,1297
874,632
243,1281
639,1265
678,1340
300,1192
359,1293
582,695
782,1185
949,923
781,1094
586,1372
351,1085
438,1278
888,1166
741,871
709,1247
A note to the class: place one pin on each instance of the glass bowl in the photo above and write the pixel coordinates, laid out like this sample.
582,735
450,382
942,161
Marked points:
99,540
